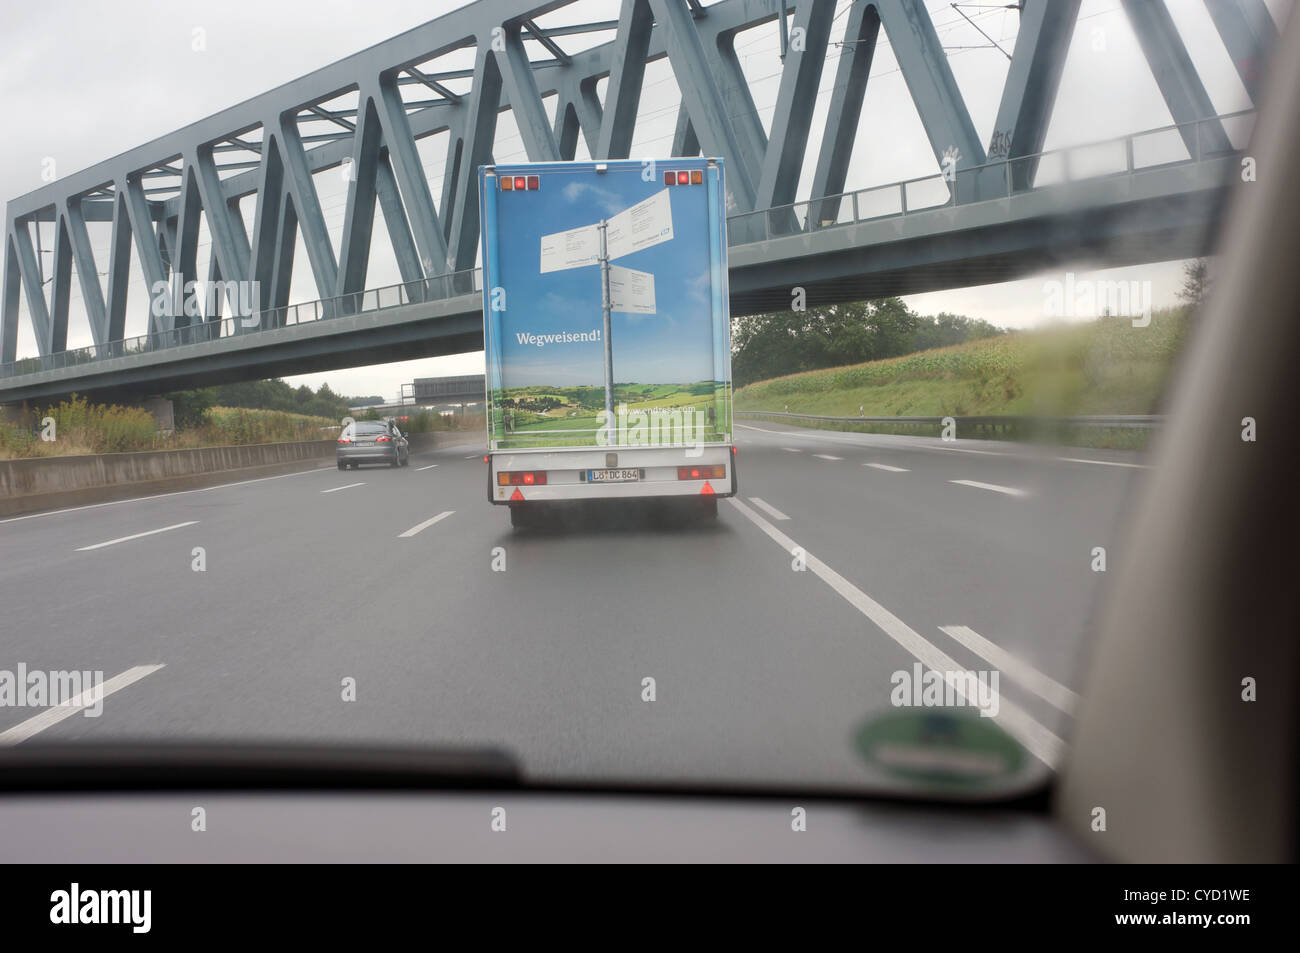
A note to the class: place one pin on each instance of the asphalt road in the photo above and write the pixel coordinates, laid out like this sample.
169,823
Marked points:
761,673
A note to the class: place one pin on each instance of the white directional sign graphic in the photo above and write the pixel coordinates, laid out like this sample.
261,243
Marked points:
630,291
647,223
576,248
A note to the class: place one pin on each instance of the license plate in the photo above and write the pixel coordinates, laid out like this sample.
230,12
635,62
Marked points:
613,476
365,443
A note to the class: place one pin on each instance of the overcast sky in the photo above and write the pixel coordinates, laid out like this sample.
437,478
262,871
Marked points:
83,80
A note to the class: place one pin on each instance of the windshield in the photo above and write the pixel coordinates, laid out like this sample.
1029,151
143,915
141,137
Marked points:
793,455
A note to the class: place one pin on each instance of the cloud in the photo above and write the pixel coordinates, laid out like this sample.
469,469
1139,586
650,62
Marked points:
611,203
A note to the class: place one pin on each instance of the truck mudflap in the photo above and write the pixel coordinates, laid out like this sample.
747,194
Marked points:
623,473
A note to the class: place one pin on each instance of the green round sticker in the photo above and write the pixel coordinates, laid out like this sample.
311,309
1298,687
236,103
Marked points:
948,746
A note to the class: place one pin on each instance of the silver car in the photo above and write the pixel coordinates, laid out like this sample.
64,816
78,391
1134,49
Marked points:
372,441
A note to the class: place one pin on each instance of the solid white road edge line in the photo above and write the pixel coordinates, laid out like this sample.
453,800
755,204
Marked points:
768,508
123,539
915,446
160,496
1044,745
886,467
55,714
1105,463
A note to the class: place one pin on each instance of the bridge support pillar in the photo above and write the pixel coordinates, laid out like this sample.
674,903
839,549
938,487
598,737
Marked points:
161,410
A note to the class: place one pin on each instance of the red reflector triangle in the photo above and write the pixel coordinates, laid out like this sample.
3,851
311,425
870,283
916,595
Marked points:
516,495
706,490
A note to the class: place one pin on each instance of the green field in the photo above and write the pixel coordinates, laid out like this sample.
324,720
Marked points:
1102,367
543,416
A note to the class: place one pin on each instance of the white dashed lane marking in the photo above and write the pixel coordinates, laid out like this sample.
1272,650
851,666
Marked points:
425,525
1036,738
1008,490
349,486
1041,685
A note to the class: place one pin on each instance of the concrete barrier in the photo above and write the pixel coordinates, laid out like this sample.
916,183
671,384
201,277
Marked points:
41,483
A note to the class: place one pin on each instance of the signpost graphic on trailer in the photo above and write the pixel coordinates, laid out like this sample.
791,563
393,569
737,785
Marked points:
647,223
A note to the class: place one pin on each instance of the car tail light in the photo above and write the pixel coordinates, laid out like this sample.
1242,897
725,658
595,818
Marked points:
383,440
697,177
507,183
344,440
521,183
521,478
534,182
715,472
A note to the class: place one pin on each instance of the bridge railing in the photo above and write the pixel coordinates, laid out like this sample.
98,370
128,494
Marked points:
436,288
1177,144
1192,142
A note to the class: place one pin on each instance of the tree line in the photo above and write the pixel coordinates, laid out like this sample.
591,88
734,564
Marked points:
787,342
190,407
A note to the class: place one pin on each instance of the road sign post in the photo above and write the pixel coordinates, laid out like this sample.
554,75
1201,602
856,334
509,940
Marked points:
605,308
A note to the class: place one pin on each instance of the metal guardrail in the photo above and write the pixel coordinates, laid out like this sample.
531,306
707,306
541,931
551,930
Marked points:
991,421
972,184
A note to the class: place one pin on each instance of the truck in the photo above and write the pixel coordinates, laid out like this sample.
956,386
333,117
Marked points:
607,334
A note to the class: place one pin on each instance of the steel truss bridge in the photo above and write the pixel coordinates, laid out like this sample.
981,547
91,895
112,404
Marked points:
994,213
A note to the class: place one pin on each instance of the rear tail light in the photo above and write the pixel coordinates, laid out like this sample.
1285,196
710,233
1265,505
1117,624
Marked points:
520,183
521,478
383,440
684,177
344,440
716,472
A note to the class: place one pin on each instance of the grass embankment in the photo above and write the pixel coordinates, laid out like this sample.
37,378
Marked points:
81,427
1102,367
